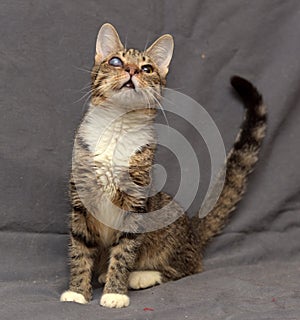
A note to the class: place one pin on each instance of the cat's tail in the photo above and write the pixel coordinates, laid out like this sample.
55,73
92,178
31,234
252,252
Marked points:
240,160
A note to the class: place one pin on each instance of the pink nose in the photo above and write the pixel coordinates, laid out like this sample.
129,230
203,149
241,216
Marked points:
132,69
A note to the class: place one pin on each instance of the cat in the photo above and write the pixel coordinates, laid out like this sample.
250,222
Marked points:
126,85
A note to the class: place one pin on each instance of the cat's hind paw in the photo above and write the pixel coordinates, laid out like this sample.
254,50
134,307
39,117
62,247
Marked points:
71,296
144,279
114,300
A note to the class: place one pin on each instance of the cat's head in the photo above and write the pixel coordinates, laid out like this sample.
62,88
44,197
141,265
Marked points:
128,76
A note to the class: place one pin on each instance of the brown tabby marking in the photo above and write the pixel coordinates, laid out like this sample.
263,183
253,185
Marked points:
136,259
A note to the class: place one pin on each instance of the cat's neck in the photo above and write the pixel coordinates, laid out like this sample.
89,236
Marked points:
138,114
125,103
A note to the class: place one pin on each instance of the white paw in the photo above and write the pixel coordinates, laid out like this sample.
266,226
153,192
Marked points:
102,278
144,279
73,297
114,300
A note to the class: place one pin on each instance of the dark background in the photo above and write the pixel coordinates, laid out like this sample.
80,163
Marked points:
46,50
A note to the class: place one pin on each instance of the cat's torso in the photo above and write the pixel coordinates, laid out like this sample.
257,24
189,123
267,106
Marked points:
107,144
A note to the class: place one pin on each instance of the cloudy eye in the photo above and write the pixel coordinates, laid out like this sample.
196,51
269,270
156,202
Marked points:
147,68
116,62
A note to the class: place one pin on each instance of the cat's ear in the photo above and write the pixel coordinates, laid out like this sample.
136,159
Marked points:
161,52
108,42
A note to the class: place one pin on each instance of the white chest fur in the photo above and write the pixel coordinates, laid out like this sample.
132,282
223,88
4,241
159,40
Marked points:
113,136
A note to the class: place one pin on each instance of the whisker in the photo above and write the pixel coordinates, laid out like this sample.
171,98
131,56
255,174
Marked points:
85,102
85,70
163,97
147,98
87,86
178,88
147,42
90,92
160,106
125,45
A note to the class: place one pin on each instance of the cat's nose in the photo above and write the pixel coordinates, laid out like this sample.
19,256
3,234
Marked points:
132,69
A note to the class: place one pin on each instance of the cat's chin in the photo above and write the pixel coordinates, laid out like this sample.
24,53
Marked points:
130,98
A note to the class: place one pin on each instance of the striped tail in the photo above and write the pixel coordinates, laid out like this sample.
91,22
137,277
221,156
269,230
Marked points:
240,160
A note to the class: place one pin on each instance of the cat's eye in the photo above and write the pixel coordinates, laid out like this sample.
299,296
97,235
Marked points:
147,68
116,62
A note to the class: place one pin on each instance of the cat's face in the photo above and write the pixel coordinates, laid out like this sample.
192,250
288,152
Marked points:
129,77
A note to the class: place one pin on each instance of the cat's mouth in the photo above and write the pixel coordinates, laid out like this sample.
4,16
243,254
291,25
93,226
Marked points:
129,84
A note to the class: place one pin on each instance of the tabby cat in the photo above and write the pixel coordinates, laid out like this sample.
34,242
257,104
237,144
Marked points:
126,84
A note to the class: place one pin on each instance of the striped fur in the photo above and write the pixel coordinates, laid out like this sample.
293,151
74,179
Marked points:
240,161
138,260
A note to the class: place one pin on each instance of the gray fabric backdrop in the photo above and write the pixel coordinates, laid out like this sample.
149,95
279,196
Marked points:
252,269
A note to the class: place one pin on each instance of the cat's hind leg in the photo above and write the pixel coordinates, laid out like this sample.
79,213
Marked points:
139,279
102,278
144,279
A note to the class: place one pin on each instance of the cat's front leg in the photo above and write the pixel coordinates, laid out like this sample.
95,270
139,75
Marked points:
82,253
122,260
81,264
